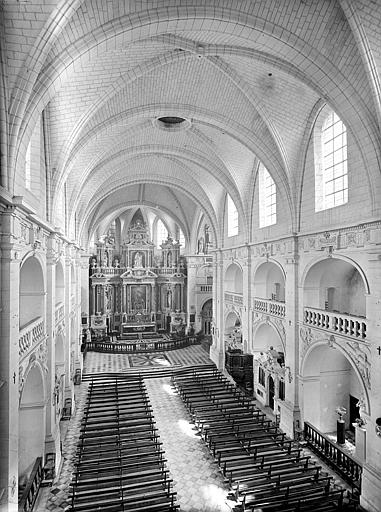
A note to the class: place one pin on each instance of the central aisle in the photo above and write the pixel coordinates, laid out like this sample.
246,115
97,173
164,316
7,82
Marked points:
197,480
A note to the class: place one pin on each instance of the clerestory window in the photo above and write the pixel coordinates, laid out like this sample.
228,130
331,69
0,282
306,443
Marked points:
232,217
267,198
331,171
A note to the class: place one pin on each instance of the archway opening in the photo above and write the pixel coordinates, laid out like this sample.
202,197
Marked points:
336,286
206,319
269,282
233,281
329,381
31,423
31,291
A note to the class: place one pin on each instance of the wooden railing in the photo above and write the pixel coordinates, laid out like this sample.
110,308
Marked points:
31,335
341,462
124,347
29,495
338,323
271,307
233,297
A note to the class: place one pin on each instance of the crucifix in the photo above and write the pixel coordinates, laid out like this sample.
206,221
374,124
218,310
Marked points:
379,351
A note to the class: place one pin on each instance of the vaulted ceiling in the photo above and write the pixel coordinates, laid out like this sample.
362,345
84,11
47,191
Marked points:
247,77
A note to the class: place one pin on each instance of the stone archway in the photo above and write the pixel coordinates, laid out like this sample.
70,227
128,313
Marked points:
31,422
328,380
31,291
269,282
206,317
233,281
335,285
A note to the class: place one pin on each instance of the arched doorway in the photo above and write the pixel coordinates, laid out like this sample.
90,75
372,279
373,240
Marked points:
31,422
271,388
268,350
206,318
233,335
59,374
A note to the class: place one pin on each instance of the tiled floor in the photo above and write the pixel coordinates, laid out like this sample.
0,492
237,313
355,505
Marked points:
97,362
197,479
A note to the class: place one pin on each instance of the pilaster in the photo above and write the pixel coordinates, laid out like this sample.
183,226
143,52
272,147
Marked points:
9,362
217,350
289,408
371,480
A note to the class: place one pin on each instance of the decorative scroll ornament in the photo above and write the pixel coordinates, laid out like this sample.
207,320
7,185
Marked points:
358,352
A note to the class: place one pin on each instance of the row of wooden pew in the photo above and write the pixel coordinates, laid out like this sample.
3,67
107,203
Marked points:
266,470
120,463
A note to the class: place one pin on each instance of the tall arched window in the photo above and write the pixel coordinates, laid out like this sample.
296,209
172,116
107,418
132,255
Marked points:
181,239
267,198
161,233
232,217
331,174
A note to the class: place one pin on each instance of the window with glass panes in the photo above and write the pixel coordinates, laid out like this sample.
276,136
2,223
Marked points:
232,218
335,172
161,233
267,198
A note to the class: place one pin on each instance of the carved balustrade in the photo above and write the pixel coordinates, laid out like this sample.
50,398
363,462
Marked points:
31,335
234,298
345,325
270,307
59,312
204,288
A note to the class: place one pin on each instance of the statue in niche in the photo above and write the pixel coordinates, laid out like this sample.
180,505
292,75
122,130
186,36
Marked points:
138,261
200,249
169,298
116,263
169,259
93,263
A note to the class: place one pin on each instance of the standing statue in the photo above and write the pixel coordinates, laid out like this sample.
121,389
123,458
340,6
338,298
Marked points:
169,298
138,261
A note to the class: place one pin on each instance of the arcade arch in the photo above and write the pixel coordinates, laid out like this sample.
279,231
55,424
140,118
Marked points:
269,282
233,281
206,317
335,285
329,380
31,291
31,421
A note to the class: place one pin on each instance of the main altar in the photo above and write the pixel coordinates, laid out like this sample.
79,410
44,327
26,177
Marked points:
135,288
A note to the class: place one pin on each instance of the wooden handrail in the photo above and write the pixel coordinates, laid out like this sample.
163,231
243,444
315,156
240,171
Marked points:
340,461
32,487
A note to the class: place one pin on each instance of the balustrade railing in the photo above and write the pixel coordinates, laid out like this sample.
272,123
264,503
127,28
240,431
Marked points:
29,495
338,323
109,271
235,298
271,307
31,335
59,313
205,288
340,461
149,345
